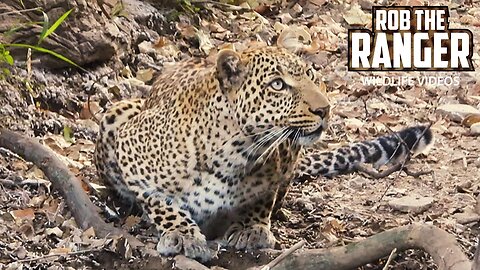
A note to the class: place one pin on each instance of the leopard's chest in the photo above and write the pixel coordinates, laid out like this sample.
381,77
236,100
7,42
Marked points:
227,185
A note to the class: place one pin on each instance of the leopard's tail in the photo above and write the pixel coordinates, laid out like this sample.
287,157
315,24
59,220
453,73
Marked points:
389,149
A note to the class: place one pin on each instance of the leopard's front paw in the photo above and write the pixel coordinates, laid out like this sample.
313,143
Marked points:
174,242
250,237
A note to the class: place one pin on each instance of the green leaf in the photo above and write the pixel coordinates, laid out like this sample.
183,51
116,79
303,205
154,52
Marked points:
54,26
43,50
68,134
9,59
44,28
6,71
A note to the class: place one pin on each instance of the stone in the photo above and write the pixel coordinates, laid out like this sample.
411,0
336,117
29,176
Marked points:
475,129
411,204
184,263
465,218
457,112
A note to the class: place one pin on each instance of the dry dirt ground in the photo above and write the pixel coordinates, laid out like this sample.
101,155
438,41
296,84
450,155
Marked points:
324,212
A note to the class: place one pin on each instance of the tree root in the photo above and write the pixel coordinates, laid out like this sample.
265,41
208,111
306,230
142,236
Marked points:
439,244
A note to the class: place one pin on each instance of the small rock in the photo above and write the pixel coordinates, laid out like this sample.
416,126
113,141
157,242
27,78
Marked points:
358,183
297,8
457,112
285,17
464,218
353,123
215,267
464,198
146,47
475,129
365,5
411,204
184,263
88,124
54,231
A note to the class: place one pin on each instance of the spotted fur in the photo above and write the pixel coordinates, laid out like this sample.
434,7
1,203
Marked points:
214,146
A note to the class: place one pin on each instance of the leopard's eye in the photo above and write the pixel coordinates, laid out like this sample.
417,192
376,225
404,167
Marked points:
311,74
278,84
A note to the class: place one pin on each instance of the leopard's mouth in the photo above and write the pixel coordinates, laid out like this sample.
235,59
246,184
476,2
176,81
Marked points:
300,133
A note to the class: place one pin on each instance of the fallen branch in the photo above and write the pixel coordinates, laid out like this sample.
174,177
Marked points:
441,245
83,210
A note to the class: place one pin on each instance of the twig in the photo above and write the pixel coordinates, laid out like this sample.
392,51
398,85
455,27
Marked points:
226,6
416,174
282,256
377,175
62,254
365,108
407,157
90,110
389,260
463,157
20,11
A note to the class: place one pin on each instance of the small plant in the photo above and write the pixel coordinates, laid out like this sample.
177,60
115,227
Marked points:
47,30
188,7
5,60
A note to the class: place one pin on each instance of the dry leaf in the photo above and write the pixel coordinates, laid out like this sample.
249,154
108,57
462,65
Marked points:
87,111
353,123
356,16
387,119
54,231
294,38
145,75
131,221
88,233
318,3
19,165
471,119
205,45
63,250
22,214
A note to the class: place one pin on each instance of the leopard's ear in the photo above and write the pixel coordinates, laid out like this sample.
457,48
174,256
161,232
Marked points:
230,69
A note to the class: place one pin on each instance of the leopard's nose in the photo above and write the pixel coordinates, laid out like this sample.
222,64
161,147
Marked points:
322,112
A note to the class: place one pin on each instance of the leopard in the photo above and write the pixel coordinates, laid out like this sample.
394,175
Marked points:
211,151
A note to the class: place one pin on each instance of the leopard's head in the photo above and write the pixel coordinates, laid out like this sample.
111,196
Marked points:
274,93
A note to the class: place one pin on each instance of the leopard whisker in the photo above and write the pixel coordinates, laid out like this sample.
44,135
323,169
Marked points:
262,142
285,133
